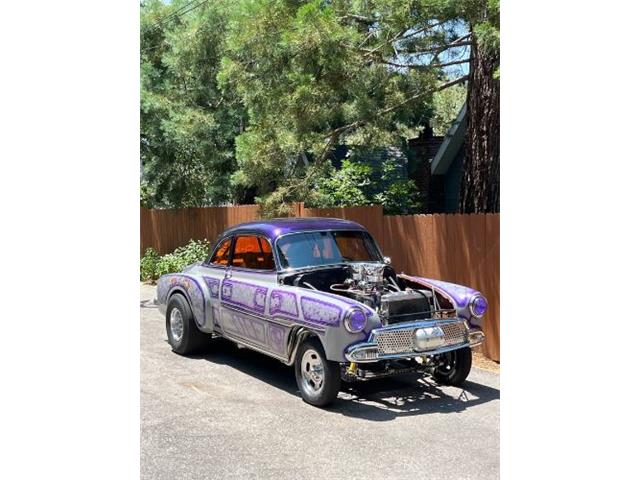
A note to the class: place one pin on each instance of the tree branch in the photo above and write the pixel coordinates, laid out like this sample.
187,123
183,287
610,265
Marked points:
424,29
440,49
333,136
359,18
429,65
395,37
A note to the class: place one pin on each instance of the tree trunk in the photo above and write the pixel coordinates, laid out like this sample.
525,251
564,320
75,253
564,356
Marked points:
480,186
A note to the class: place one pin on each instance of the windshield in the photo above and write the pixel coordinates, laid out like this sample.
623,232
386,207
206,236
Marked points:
326,248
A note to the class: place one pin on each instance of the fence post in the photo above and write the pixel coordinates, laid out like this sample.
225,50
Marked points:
297,209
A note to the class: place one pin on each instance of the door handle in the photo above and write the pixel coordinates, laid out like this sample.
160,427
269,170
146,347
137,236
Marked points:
227,274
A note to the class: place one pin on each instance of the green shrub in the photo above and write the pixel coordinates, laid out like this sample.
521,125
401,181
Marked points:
148,265
152,265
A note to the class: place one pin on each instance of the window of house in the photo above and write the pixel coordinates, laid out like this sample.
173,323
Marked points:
253,252
221,255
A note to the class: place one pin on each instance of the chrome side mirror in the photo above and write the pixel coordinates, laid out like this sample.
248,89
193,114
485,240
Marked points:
386,260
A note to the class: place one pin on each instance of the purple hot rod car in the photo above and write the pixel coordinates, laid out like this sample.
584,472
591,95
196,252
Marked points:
317,293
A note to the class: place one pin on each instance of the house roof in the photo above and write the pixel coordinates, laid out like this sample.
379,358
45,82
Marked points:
280,226
453,141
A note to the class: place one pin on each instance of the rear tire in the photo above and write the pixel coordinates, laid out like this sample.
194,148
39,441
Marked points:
459,366
183,334
318,378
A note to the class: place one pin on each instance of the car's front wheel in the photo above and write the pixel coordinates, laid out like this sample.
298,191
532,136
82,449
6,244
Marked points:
453,367
318,378
182,332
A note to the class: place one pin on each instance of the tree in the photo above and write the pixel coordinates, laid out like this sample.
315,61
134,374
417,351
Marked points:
187,123
358,183
316,74
480,187
257,94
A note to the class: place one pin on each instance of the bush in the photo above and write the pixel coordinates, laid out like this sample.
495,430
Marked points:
148,264
152,265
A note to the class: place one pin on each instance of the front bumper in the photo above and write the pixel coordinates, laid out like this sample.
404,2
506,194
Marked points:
415,339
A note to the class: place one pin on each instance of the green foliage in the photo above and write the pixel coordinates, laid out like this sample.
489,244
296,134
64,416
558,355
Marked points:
148,265
358,183
251,96
313,75
344,187
446,106
153,266
400,198
187,123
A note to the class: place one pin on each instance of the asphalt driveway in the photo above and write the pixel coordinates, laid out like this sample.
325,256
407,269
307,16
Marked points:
233,413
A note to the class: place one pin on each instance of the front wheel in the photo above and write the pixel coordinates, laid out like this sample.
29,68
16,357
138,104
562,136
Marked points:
318,378
453,367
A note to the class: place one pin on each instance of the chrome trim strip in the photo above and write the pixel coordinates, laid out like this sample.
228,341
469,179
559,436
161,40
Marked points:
362,346
295,323
293,345
255,347
241,310
277,320
476,337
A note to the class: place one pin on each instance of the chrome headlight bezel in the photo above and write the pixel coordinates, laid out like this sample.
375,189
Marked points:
359,316
478,306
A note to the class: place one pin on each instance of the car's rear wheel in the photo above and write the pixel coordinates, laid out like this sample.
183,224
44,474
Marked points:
453,367
318,378
183,334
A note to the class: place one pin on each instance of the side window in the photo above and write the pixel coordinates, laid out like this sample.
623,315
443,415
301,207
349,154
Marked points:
221,255
252,252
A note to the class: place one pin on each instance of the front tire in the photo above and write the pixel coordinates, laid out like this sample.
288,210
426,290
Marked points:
455,367
318,378
183,334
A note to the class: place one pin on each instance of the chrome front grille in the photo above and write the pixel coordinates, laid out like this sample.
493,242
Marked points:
396,341
401,341
454,333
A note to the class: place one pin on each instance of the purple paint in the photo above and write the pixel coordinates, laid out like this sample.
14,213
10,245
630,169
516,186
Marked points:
316,311
272,229
214,286
357,321
460,294
245,295
368,310
188,285
283,303
276,338
479,306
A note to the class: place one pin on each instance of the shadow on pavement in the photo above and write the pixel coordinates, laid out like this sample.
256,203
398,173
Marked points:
375,400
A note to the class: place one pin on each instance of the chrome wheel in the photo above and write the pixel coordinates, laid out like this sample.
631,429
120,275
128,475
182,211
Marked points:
312,371
175,322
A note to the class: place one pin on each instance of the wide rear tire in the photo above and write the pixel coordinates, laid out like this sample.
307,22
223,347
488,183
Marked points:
184,336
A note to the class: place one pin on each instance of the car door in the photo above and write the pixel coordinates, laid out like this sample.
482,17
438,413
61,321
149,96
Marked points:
244,295
213,275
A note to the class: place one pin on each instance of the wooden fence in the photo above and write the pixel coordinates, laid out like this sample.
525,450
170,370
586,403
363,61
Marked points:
462,249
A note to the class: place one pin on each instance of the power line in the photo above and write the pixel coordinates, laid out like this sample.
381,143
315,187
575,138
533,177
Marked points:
179,12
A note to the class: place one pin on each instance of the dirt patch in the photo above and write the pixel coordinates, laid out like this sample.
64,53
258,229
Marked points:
484,363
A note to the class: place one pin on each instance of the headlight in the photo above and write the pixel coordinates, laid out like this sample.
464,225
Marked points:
478,306
355,320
